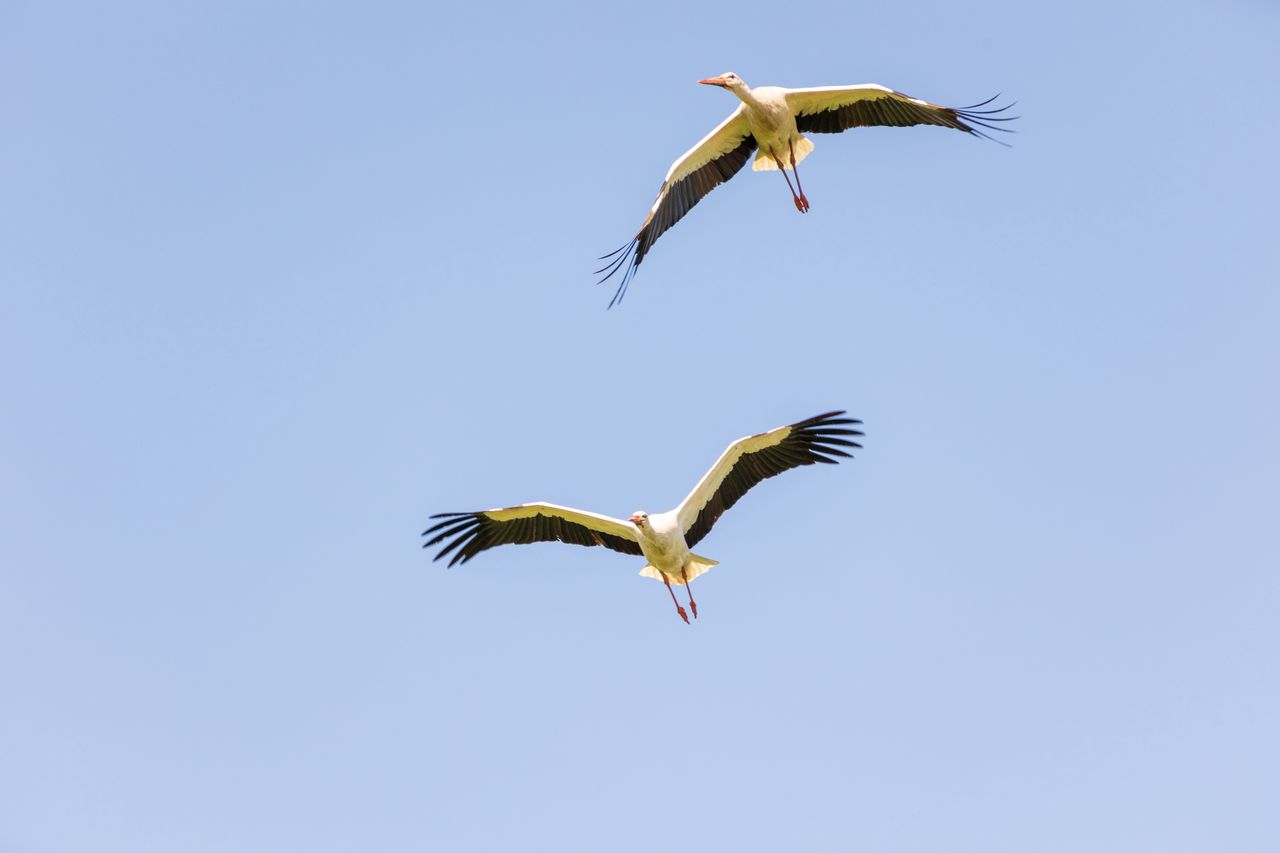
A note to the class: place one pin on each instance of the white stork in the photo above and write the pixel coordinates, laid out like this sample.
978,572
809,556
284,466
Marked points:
663,539
772,119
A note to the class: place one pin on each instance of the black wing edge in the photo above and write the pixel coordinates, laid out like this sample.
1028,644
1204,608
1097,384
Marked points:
971,115
679,199
620,256
888,112
815,433
816,439
473,532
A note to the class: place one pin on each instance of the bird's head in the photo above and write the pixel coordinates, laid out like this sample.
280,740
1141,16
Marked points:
727,80
640,518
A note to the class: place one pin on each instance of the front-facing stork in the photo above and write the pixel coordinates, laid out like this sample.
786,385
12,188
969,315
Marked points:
771,122
664,539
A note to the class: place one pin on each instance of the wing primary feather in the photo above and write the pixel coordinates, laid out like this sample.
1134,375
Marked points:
462,539
445,534
841,442
613,265
622,285
616,251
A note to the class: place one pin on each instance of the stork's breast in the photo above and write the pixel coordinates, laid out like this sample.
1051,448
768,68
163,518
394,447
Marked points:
772,127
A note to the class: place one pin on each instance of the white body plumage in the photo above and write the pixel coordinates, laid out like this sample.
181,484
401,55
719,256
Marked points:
662,543
773,124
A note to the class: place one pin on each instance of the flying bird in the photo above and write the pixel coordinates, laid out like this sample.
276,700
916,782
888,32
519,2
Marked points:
664,539
771,122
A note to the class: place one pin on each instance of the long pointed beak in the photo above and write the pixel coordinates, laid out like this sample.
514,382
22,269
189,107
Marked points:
713,81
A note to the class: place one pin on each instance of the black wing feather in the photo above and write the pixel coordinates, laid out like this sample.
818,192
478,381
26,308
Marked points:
473,532
888,111
814,440
679,199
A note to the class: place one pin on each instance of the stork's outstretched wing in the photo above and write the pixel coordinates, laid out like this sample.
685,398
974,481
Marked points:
705,166
758,457
832,109
473,532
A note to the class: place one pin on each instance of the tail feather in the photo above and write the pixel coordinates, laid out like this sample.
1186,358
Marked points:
764,162
696,566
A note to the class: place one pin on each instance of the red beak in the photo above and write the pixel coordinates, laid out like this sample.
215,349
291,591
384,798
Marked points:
713,81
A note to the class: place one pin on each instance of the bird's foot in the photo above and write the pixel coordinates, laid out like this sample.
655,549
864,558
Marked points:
693,605
683,615
801,205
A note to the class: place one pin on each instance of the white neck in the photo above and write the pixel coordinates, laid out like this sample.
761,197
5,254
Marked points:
744,94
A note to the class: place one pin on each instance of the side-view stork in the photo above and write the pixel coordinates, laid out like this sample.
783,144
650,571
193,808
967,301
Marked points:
771,122
664,539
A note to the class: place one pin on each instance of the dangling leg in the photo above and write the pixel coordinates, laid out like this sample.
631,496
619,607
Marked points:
783,169
791,145
693,605
679,609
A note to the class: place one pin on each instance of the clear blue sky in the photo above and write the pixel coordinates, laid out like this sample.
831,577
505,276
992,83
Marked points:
281,280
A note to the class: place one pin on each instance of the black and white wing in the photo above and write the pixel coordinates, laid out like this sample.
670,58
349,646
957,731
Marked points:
758,457
705,166
833,109
472,532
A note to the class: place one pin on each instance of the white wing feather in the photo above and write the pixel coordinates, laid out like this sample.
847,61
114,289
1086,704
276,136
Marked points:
592,520
727,136
818,99
687,512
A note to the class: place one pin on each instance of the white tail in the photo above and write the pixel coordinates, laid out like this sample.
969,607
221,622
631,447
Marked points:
764,163
696,566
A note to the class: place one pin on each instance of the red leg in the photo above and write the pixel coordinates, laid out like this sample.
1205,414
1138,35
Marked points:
679,609
693,605
783,169
791,146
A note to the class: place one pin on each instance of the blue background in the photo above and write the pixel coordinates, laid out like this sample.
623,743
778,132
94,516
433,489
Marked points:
280,280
